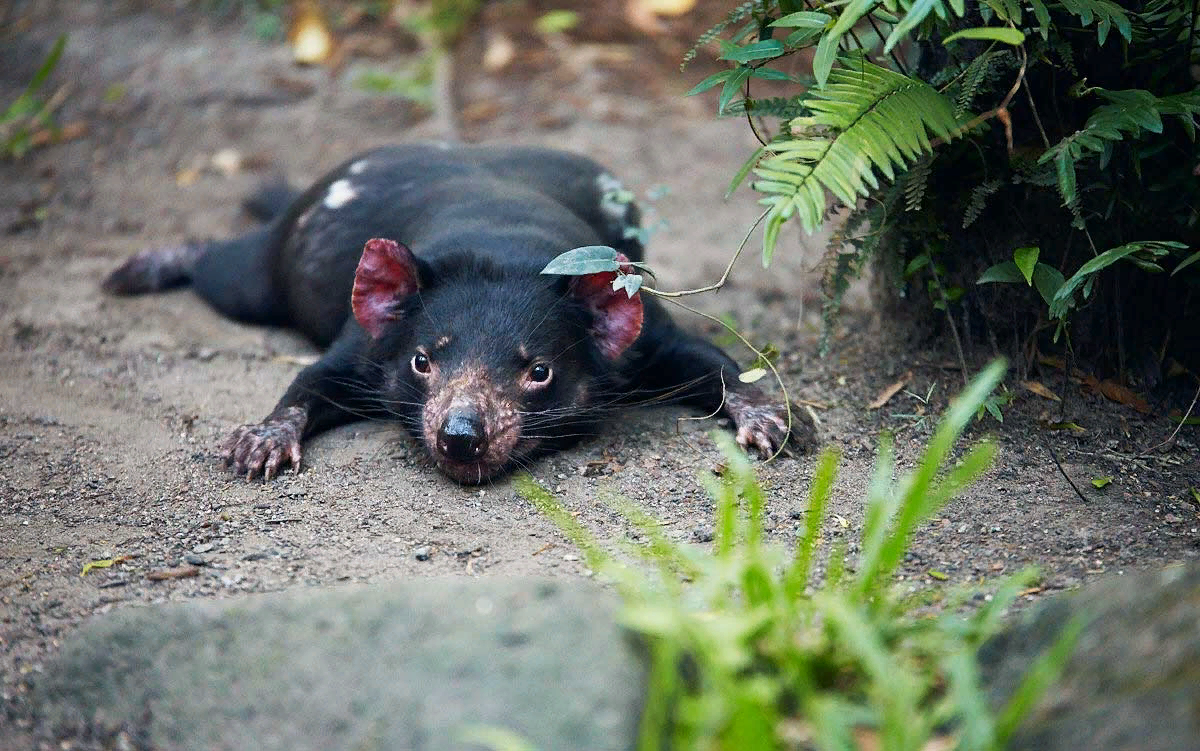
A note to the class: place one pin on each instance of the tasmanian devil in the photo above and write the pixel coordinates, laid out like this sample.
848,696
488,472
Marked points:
417,266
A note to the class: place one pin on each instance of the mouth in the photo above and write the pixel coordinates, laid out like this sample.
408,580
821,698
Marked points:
468,473
490,466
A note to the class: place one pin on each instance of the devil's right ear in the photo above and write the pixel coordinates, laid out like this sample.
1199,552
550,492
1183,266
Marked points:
387,273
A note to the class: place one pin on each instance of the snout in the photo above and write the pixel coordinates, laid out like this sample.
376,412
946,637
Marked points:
462,436
471,427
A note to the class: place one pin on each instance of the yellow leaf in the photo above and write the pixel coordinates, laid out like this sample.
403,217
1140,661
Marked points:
752,375
310,38
886,395
1037,388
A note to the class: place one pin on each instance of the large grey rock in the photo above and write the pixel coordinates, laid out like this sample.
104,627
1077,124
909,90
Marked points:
397,666
1133,682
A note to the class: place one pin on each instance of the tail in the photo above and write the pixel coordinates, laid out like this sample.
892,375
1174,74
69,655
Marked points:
154,270
270,200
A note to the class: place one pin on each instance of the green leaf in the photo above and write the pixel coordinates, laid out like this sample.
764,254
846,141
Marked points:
1006,272
1063,299
827,48
762,50
915,15
733,86
1026,259
1101,482
556,21
1048,280
1186,262
805,19
711,81
590,259
745,170
1002,34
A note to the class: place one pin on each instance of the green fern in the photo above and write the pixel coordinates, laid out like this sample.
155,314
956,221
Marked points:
979,71
1129,113
915,181
784,108
979,196
1105,13
867,118
738,14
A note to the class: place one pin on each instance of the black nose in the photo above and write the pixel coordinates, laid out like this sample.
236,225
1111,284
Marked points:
461,437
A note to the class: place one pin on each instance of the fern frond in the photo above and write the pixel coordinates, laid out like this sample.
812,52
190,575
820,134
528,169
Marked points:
979,196
978,72
1130,112
867,118
738,14
1105,13
784,108
915,181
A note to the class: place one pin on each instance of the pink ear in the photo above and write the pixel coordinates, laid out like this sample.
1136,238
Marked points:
618,317
387,273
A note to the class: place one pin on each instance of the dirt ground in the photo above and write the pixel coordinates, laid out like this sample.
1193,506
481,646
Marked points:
111,409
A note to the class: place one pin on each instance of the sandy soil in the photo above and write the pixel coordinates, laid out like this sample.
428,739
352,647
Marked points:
111,409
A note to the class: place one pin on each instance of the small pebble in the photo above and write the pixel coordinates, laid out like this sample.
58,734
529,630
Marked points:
203,547
423,553
195,560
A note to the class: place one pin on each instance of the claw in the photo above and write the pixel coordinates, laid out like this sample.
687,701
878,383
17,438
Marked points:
264,448
762,425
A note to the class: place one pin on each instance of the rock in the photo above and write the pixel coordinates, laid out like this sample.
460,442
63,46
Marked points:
1133,682
404,665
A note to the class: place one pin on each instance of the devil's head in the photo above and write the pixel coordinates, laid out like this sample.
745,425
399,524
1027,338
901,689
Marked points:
488,367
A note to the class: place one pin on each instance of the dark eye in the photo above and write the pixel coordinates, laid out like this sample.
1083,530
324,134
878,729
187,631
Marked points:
420,364
540,373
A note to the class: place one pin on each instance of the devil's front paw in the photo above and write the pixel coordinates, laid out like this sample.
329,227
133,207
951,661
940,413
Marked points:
762,424
268,446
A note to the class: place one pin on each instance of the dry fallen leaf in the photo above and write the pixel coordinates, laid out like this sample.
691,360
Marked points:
1114,391
644,14
309,36
1039,389
499,53
179,572
886,395
68,132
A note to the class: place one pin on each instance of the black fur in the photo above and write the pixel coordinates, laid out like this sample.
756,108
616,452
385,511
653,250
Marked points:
482,222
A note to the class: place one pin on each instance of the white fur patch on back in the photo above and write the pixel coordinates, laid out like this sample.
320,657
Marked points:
341,192
359,167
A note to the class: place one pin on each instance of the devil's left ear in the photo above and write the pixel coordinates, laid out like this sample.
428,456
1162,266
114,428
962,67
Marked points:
617,317
387,273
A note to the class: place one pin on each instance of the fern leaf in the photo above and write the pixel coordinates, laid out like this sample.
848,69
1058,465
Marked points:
916,180
1105,13
866,119
972,79
979,196
1130,112
739,13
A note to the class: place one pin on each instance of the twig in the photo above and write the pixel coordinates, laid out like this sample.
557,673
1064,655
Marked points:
724,277
1058,464
1175,432
962,358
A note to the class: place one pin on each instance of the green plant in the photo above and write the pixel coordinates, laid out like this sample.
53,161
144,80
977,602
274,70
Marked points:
959,132
750,649
29,111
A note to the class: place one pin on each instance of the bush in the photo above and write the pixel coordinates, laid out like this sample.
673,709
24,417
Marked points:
750,650
968,138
